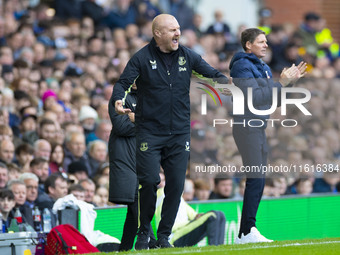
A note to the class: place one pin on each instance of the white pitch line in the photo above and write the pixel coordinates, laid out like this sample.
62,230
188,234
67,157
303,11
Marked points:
217,249
285,245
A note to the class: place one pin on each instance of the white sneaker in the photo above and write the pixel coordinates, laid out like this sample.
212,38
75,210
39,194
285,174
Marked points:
253,237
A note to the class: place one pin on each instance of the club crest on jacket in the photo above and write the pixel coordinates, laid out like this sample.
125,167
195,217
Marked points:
153,64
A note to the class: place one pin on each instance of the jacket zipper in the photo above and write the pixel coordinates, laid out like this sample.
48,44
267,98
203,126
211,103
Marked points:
170,103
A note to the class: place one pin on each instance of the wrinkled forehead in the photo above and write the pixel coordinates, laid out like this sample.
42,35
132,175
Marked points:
168,23
261,38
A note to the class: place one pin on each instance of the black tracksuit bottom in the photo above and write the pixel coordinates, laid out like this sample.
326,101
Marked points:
252,145
172,153
131,226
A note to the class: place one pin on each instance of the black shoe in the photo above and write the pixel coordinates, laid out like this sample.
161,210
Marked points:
163,243
152,243
142,242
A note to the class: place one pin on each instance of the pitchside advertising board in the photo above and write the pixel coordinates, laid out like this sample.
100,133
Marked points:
286,218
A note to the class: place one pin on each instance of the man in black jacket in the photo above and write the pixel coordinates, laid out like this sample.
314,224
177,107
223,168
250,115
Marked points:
162,72
123,177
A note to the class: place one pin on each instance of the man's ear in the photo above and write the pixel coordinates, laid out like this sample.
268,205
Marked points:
248,45
50,190
158,33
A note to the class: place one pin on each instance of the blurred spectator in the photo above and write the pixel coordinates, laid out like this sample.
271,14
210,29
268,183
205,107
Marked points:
102,132
56,187
328,47
219,26
49,99
265,15
280,183
328,183
240,189
31,181
28,124
178,8
75,150
122,14
3,175
307,32
78,191
90,8
189,190
211,148
97,155
90,189
101,197
56,158
7,203
6,133
304,186
269,189
87,118
24,156
190,40
197,150
202,189
6,151
289,56
223,187
14,171
79,170
42,149
102,176
46,130
19,190
39,167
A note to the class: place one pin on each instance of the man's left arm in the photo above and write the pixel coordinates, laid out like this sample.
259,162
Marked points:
206,72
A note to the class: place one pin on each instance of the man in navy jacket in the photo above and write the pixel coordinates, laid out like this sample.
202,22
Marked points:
249,71
162,72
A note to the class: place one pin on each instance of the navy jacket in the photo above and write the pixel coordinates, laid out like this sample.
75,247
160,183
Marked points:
122,154
247,70
163,95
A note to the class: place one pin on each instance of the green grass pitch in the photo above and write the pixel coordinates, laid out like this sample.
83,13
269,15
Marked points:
327,246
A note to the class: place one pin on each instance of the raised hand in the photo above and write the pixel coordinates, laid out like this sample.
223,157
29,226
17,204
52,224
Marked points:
293,73
226,91
302,68
120,109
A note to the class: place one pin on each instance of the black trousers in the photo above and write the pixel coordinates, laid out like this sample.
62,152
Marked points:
131,226
210,224
172,153
252,145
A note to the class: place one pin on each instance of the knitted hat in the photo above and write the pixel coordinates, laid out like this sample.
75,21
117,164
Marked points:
77,166
87,112
47,94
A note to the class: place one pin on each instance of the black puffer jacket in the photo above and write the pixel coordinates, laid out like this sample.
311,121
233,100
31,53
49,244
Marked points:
122,154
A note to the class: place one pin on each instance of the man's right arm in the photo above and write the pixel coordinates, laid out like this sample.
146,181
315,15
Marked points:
124,84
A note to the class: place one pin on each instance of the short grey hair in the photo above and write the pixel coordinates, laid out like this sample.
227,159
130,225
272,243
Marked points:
26,176
2,165
92,144
15,182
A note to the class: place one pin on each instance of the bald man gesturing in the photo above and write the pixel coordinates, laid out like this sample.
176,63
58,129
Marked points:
162,72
